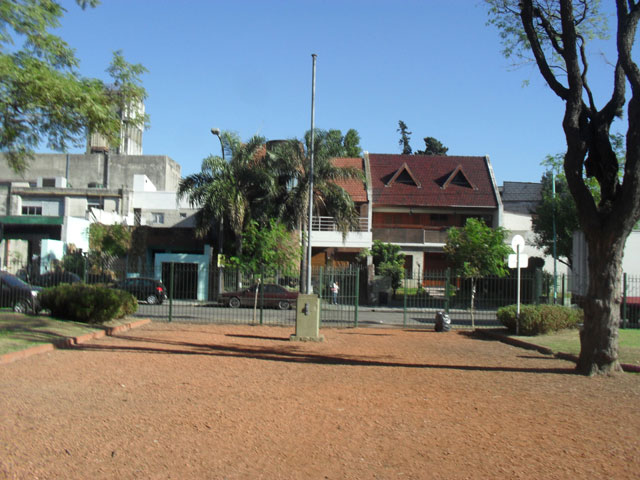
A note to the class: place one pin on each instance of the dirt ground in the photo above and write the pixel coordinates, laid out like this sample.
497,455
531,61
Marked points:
241,402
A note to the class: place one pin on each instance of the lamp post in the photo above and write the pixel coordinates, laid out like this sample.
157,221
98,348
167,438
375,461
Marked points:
216,132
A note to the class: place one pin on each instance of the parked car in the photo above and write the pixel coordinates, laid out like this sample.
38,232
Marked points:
149,290
18,294
274,296
52,279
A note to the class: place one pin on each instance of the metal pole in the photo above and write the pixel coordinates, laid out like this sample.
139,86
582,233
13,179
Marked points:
357,301
555,271
171,272
216,132
311,152
518,293
404,301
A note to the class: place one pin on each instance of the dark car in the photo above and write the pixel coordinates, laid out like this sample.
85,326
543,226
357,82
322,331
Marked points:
274,296
52,279
149,290
18,294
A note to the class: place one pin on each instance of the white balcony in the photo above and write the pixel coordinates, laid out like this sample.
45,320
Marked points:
325,233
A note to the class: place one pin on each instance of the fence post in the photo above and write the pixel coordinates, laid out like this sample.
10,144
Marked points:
261,288
404,299
84,268
357,298
624,300
447,284
171,271
538,286
562,289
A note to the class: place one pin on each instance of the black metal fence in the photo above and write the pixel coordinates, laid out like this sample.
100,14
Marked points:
198,293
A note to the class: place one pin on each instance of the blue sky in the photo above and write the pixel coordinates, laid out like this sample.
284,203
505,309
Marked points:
246,66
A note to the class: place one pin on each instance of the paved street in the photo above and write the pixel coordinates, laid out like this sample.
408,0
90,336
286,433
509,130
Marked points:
339,316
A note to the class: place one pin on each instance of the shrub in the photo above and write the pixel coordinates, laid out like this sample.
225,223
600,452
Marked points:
87,303
539,319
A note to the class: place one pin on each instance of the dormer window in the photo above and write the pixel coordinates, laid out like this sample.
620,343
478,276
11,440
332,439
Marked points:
405,176
458,178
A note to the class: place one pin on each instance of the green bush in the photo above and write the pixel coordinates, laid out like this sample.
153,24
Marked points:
539,319
87,303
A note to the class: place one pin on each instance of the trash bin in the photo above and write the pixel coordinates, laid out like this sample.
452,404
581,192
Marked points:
443,322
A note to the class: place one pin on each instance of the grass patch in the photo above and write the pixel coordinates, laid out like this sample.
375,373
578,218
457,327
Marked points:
568,341
18,332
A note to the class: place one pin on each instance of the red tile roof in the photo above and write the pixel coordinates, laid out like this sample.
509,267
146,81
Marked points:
437,188
354,187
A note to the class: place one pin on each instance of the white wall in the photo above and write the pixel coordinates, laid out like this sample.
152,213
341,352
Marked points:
520,224
50,250
76,231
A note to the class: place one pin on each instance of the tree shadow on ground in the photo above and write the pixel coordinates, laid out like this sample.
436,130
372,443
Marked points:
290,354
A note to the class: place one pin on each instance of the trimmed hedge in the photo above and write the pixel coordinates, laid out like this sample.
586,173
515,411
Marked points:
540,319
87,303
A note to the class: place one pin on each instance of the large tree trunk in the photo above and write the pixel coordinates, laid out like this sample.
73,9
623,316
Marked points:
599,335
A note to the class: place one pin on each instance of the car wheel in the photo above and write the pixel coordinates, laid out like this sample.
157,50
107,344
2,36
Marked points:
22,306
152,299
284,305
234,302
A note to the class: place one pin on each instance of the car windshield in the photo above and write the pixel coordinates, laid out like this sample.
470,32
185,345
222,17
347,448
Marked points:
14,281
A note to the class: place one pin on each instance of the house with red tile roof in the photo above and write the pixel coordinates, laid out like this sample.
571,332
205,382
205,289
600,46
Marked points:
415,199
328,246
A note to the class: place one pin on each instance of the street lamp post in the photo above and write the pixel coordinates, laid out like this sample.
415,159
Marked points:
216,132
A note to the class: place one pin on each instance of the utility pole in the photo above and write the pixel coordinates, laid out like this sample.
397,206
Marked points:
311,152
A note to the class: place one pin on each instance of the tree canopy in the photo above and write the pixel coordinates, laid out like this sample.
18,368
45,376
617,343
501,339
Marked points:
405,137
42,95
563,208
234,191
388,261
271,247
432,146
334,144
477,250
554,34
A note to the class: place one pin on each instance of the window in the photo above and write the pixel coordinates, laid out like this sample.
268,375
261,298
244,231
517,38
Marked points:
95,202
137,215
31,210
48,182
439,219
157,218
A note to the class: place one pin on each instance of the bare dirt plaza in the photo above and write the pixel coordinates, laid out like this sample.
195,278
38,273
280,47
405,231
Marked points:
241,402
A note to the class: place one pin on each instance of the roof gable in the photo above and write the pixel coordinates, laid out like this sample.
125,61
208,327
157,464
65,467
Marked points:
405,176
459,178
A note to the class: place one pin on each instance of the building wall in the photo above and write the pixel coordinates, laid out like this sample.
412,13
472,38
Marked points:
109,171
521,224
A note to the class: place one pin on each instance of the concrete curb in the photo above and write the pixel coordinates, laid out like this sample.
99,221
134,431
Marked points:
547,351
70,342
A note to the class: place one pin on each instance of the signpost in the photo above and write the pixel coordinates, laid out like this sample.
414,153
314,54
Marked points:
518,260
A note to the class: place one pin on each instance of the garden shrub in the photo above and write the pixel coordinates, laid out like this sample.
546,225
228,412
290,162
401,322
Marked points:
87,303
539,319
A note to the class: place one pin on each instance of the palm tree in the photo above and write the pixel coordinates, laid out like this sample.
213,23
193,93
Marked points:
290,166
226,191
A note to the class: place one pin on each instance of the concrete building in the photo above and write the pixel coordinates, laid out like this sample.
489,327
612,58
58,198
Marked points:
51,205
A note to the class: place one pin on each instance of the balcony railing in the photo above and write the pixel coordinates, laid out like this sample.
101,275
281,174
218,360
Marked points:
411,235
328,224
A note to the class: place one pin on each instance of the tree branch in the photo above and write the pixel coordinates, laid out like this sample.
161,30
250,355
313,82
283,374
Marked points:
527,16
